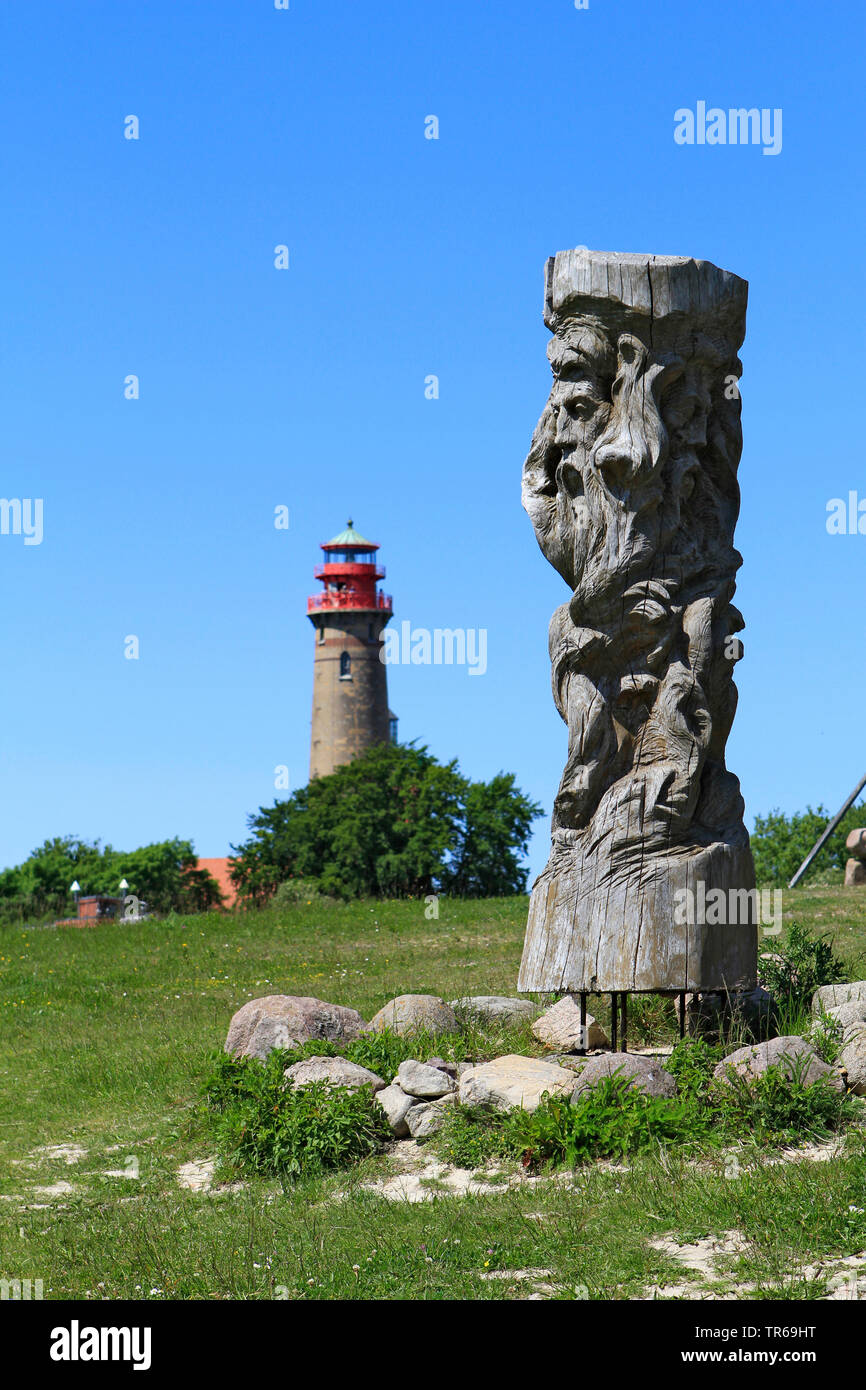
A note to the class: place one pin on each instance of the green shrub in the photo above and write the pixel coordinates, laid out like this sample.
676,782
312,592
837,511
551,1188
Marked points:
295,891
800,963
383,1052
472,1137
777,1107
827,1036
692,1063
265,1125
610,1120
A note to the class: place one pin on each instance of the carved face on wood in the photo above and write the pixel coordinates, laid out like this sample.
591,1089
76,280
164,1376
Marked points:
626,437
631,487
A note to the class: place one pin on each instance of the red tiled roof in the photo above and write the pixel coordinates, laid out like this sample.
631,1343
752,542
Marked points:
219,869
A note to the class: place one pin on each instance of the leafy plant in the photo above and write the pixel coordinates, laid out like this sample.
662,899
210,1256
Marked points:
827,1036
383,1052
266,1125
472,1137
777,1105
692,1063
799,964
610,1120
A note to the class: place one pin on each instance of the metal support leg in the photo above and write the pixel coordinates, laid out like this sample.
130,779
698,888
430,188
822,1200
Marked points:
614,1010
623,1047
682,1013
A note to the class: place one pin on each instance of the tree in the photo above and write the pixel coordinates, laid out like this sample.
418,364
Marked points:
392,823
780,843
493,835
163,875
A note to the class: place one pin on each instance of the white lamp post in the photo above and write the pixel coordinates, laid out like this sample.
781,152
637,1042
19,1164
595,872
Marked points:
75,889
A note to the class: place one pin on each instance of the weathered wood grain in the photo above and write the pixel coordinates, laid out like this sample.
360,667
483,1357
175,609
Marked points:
631,487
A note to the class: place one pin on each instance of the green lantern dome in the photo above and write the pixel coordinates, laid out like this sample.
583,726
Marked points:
350,539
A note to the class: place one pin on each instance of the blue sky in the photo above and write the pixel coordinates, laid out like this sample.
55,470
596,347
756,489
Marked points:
305,387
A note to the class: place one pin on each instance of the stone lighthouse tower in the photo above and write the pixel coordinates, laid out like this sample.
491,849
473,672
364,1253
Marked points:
350,683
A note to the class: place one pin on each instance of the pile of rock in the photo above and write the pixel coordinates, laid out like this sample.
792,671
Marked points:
417,1099
846,1005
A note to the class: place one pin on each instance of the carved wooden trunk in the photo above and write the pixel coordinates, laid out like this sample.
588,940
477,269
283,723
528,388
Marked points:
632,490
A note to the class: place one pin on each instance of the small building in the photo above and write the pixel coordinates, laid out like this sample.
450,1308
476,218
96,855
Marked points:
93,909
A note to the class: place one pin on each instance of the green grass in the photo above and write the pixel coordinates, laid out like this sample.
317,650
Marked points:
108,1040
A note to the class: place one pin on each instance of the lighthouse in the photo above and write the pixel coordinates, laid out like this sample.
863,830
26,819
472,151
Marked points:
350,682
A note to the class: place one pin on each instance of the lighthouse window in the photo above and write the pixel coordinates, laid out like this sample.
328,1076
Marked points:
345,666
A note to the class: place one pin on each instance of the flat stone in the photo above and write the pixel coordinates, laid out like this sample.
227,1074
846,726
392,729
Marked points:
428,1118
396,1104
643,1072
852,1058
494,1009
509,1082
559,1027
286,1020
829,996
336,1071
412,1013
427,1083
789,1054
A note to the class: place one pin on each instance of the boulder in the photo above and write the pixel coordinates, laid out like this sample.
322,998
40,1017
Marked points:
856,844
450,1067
429,1117
413,1013
791,1055
423,1082
855,873
496,1009
512,1081
852,1058
336,1071
829,996
644,1072
559,1028
286,1020
396,1105
846,1014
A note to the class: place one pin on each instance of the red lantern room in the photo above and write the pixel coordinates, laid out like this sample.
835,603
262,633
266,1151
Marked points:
349,574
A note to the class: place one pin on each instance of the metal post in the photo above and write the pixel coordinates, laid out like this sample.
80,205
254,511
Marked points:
624,1030
819,844
682,1013
614,1005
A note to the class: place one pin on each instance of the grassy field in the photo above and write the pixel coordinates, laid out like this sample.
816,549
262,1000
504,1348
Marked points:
106,1040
